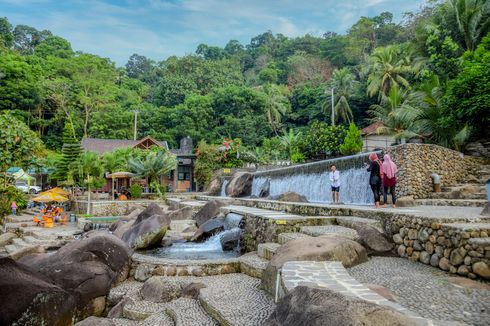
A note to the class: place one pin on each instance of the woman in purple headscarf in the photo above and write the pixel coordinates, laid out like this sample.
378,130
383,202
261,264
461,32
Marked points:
389,179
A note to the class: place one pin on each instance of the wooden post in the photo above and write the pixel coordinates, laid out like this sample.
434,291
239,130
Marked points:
176,182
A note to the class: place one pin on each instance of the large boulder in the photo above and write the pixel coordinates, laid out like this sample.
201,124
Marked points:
148,232
209,211
29,298
240,185
323,248
373,240
151,210
214,187
87,269
124,219
122,228
293,197
209,228
318,307
157,289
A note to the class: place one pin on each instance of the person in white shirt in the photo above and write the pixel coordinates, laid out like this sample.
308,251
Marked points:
335,183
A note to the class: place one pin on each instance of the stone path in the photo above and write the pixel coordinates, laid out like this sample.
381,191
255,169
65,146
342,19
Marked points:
427,290
330,230
333,276
231,299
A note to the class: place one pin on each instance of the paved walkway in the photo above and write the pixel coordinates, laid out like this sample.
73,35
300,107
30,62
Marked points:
428,291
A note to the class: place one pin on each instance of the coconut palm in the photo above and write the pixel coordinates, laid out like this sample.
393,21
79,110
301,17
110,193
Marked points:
396,113
289,140
432,119
387,68
343,82
153,165
112,163
276,105
469,19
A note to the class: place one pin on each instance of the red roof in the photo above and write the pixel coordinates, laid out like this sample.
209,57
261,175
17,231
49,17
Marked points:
372,129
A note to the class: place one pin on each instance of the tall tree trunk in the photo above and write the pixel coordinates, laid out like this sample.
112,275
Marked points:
88,197
113,187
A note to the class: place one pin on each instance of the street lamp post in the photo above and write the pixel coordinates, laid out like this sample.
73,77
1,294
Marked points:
333,106
135,124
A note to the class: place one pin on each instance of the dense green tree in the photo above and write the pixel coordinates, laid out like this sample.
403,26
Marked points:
69,153
54,46
26,38
352,142
6,35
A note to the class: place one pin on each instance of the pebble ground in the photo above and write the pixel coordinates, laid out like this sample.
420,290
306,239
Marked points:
426,290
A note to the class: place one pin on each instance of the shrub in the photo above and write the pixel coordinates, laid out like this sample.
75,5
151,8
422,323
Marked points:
135,191
7,196
352,141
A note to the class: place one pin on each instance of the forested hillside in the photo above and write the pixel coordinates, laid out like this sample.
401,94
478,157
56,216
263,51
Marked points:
427,77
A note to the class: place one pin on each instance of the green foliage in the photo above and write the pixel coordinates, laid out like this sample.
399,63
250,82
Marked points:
207,162
69,153
352,141
468,95
322,139
8,194
154,165
18,144
136,191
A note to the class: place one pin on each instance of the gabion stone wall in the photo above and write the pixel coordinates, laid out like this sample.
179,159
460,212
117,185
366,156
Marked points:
416,162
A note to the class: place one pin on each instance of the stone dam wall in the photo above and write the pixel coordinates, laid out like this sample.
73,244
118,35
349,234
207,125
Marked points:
416,162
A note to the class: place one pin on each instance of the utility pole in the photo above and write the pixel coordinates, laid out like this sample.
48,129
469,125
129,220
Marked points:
333,107
135,124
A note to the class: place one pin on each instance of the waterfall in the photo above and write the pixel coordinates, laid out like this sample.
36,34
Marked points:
312,180
223,188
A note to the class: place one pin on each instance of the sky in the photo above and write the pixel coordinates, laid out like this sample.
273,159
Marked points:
160,28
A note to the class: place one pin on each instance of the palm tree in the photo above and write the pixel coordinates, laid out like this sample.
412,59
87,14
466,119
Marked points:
289,140
343,82
396,113
276,105
432,119
386,69
152,165
471,18
90,170
112,163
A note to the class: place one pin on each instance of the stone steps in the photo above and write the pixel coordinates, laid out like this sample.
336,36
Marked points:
451,195
288,236
349,221
452,202
333,276
19,242
159,318
267,250
126,322
253,265
188,312
330,230
477,186
140,309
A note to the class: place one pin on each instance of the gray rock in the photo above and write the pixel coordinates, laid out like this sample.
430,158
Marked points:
417,245
457,256
157,289
444,264
6,238
401,251
373,240
397,238
231,239
147,233
423,235
152,209
208,229
425,257
318,307
463,270
210,210
240,185
323,248
434,260
29,298
192,290
143,272
291,196
117,310
92,321
87,269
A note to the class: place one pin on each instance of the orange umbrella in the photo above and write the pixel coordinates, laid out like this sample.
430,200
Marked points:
56,190
49,197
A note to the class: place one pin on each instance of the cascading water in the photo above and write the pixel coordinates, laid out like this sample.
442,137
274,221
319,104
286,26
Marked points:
223,188
212,248
312,180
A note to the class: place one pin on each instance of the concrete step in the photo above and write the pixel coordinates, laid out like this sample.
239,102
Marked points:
330,230
476,186
456,195
349,221
481,242
30,239
267,250
288,236
253,265
452,202
19,242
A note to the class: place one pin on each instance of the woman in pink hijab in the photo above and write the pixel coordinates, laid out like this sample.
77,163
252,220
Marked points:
389,179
